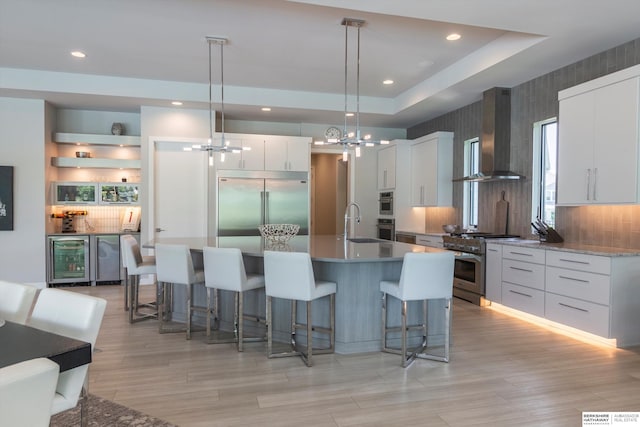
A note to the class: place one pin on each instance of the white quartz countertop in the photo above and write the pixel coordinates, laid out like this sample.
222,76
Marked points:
570,247
329,248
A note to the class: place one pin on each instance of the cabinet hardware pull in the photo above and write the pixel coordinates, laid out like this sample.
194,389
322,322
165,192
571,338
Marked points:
588,182
520,293
575,308
521,269
520,253
573,279
574,261
492,250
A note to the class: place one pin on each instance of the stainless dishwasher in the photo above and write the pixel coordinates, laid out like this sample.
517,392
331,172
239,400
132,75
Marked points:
105,262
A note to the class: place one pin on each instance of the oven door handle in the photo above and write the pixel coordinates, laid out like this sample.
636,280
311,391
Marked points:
467,256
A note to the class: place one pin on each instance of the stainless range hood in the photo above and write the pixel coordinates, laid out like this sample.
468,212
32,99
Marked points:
495,143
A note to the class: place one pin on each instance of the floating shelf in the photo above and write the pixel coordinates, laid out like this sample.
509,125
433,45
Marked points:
95,163
95,139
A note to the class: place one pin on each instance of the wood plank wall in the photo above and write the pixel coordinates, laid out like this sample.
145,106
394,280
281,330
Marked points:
533,101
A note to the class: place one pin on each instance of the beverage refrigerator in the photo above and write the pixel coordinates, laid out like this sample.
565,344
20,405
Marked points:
68,259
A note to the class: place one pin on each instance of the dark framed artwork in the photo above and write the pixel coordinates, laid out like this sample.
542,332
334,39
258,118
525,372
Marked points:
6,198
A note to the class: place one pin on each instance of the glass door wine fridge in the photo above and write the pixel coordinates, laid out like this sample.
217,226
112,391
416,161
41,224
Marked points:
68,259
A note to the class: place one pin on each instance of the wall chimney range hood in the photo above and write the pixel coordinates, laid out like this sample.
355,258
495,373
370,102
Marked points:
495,143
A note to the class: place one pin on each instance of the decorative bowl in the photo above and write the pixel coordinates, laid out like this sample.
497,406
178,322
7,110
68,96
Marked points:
279,233
451,228
83,154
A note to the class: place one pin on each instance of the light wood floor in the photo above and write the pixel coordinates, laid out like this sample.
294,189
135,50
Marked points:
503,372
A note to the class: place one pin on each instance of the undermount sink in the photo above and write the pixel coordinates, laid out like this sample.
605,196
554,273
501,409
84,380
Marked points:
364,240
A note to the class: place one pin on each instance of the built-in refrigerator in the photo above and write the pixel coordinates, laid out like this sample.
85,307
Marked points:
248,199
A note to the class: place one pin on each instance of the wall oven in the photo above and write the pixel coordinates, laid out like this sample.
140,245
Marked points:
386,228
386,203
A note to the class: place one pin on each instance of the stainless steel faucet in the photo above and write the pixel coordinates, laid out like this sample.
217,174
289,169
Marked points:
347,217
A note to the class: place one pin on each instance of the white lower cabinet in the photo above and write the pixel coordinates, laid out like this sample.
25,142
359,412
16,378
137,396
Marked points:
523,298
593,293
579,314
493,273
433,241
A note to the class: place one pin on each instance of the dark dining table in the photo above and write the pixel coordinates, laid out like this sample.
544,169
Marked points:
20,342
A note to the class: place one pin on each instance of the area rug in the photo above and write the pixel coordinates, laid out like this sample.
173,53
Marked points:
105,413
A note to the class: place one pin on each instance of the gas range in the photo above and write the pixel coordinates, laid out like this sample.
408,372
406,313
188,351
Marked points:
471,242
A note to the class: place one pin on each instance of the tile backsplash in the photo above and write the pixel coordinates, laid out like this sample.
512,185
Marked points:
613,225
99,219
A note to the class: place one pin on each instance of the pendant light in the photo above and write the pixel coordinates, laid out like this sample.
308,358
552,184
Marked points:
224,146
354,138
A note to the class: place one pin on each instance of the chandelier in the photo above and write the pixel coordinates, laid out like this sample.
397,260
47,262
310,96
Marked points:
224,146
345,137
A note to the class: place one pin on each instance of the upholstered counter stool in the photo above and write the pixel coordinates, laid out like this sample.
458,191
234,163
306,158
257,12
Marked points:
136,265
174,266
289,275
424,276
224,270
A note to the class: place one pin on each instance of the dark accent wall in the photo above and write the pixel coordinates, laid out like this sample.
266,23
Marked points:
531,102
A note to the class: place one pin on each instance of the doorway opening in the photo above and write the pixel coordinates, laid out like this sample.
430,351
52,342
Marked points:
329,192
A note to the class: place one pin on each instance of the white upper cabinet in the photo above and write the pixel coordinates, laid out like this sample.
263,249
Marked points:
387,168
250,158
598,150
287,154
432,170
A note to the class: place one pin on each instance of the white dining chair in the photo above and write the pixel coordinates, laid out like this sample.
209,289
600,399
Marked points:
16,300
76,316
26,393
136,265
224,270
424,276
289,275
174,266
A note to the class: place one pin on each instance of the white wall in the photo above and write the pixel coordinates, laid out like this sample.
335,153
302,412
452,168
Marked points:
22,145
164,123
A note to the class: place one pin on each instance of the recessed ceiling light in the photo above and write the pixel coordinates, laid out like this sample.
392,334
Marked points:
78,54
454,36
178,103
266,109
387,82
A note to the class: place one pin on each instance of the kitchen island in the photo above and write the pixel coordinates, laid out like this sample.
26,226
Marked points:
357,269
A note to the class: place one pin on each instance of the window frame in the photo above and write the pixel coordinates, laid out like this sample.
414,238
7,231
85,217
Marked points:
470,205
538,194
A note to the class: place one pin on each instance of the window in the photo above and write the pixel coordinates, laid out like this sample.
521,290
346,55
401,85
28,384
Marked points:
545,142
471,167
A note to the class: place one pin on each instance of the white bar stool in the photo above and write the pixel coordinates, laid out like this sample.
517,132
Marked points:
289,275
174,266
136,265
224,270
424,276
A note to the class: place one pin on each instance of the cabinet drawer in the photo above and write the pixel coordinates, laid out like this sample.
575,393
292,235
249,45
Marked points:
433,241
523,273
578,284
582,262
586,316
523,254
523,299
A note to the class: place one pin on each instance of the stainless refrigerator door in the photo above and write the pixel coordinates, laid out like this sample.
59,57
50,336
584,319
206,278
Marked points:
240,206
287,202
